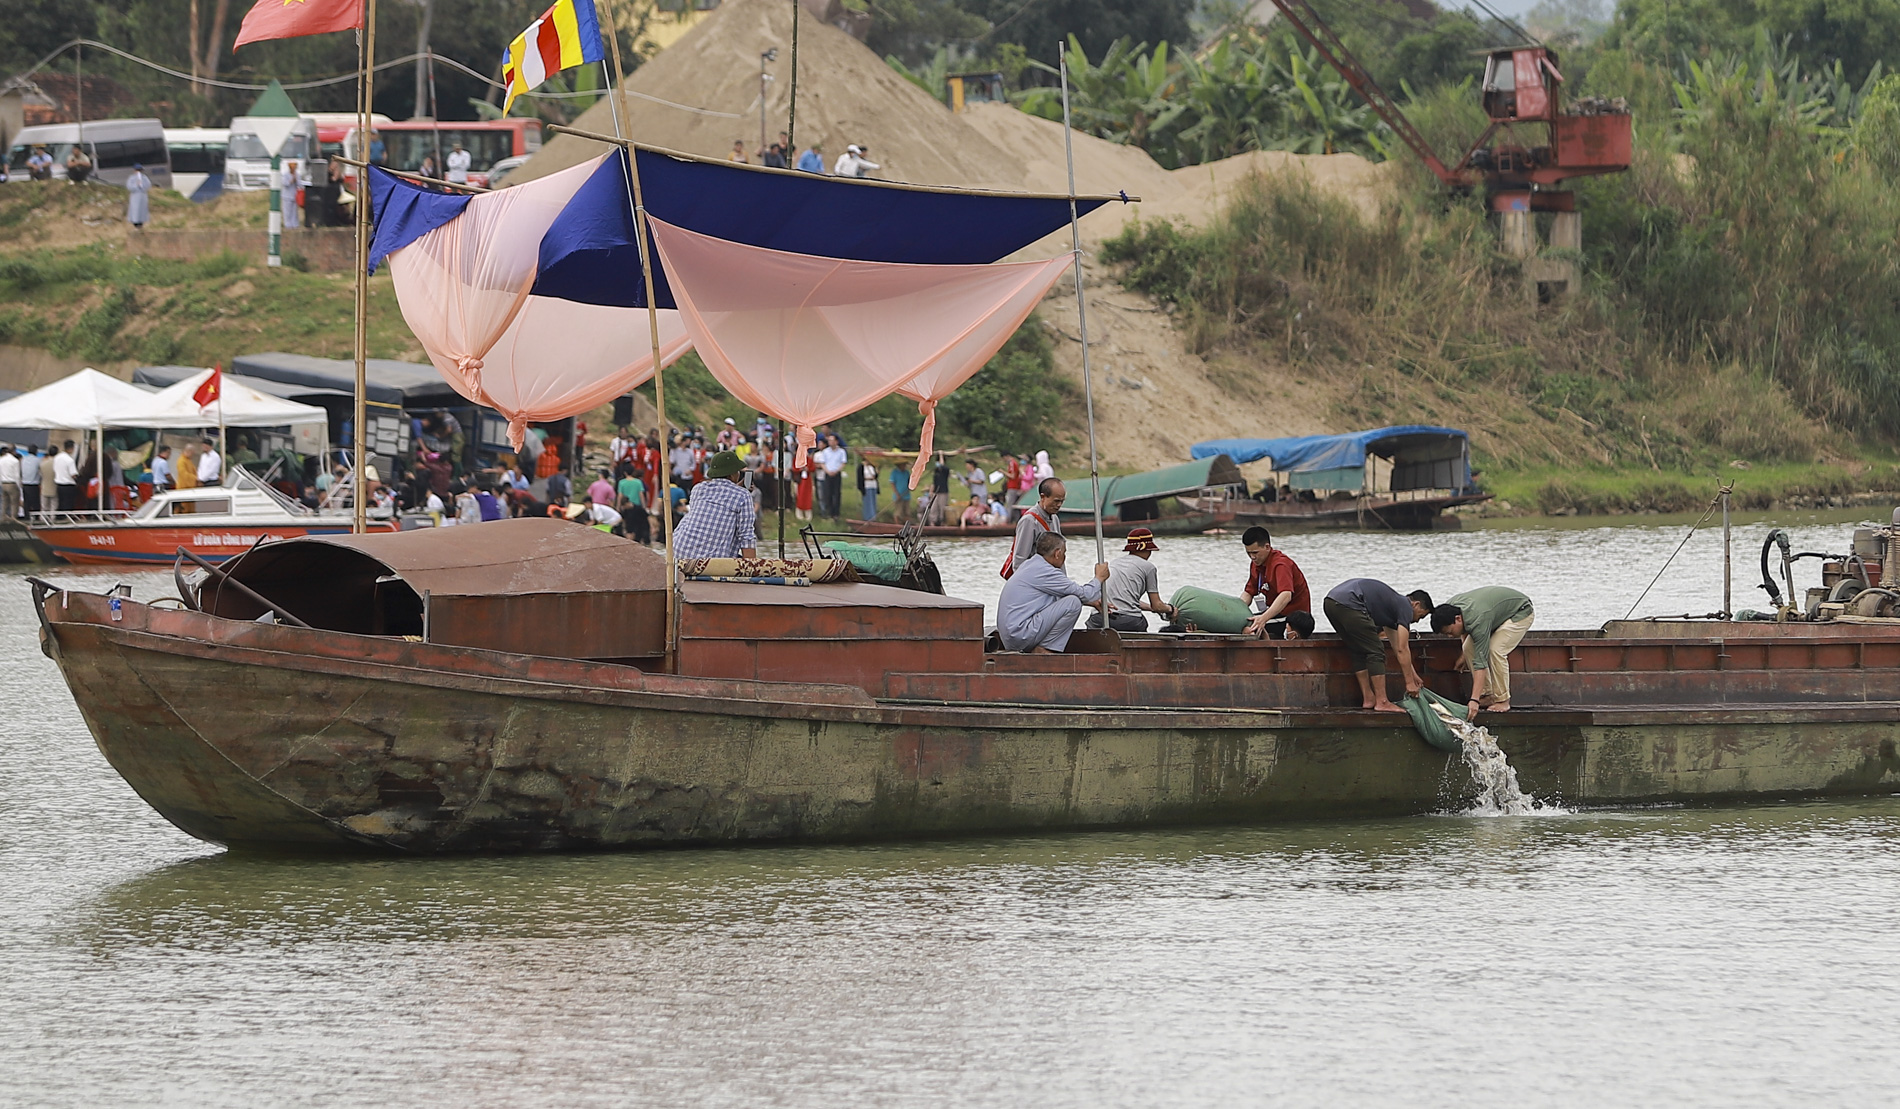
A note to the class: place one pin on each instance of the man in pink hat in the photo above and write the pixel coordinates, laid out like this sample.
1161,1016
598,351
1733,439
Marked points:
1134,586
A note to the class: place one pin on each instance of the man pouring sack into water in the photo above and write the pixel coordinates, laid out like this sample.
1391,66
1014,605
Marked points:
1492,622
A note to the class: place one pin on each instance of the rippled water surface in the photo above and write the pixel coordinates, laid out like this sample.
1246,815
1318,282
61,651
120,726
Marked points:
1660,956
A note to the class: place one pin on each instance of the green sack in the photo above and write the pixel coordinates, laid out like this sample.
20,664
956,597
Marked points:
1210,611
1430,725
881,563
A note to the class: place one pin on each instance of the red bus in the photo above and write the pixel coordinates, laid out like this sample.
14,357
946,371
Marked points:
487,141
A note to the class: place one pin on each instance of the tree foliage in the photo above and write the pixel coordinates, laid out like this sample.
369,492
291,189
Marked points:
1242,94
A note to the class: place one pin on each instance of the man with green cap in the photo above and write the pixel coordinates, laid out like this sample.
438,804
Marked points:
720,521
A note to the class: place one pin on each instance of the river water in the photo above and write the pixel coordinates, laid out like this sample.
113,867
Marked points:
1671,956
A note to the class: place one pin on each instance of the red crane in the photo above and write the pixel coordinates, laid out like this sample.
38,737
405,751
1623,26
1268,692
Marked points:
1522,89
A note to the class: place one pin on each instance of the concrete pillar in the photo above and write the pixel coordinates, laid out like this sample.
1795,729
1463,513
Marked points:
1566,233
1517,234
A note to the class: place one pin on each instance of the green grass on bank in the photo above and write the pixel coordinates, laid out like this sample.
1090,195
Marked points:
1553,491
97,303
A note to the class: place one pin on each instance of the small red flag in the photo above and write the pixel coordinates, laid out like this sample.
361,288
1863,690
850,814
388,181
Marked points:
287,19
213,387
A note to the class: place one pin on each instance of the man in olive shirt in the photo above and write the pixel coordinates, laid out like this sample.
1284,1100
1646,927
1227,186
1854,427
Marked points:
1492,622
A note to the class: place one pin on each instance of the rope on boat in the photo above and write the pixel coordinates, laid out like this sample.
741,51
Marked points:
1713,505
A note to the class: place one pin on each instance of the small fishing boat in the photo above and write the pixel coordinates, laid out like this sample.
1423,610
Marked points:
1388,478
17,544
214,523
514,689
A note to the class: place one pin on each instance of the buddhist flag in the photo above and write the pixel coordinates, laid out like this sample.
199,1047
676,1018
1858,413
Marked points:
287,19
208,393
566,35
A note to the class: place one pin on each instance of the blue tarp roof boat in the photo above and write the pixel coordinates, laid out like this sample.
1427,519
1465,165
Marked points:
1422,457
1329,483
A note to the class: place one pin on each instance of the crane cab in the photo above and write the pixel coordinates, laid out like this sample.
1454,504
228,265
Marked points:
1520,85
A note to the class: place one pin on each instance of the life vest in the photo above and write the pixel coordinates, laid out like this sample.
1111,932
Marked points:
1009,561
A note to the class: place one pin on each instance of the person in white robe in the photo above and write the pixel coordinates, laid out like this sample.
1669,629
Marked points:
138,202
1040,604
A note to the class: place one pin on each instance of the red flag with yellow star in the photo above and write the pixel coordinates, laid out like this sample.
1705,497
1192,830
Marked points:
287,19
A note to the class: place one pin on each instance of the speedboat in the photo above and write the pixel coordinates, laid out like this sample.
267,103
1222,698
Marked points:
212,522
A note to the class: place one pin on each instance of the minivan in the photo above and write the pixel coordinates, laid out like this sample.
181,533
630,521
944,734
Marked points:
115,146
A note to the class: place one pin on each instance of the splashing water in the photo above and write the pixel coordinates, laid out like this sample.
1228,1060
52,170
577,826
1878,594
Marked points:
1498,791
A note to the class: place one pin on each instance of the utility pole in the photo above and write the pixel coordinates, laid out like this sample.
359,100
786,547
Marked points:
764,80
422,61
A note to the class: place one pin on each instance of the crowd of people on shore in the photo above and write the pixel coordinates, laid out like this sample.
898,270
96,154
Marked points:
642,478
1040,605
64,477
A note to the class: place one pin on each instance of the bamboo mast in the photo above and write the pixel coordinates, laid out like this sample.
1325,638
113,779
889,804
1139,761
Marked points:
621,127
1081,310
365,90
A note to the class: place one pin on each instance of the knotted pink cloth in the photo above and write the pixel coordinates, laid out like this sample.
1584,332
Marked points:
960,363
809,340
560,358
464,292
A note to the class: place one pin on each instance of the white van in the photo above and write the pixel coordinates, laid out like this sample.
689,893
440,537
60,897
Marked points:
114,145
197,159
255,139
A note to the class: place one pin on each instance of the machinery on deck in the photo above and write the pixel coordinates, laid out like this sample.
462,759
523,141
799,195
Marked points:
1535,142
1860,585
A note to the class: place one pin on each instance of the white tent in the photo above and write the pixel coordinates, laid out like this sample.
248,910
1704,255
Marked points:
86,400
240,406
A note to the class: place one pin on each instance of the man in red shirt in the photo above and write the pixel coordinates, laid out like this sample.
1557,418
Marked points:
1274,576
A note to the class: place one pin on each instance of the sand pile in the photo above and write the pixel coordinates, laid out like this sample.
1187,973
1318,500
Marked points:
846,94
1153,397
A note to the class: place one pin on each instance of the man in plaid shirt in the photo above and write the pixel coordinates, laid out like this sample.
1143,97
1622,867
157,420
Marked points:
720,521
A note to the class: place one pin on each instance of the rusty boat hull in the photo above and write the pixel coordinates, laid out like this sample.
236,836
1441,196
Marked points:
367,742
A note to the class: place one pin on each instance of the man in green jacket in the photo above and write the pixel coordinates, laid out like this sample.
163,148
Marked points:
1492,621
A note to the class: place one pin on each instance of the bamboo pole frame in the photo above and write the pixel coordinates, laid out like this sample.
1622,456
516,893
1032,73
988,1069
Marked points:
365,90
622,127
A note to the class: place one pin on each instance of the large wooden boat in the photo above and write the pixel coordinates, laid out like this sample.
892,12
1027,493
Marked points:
1414,510
502,691
214,523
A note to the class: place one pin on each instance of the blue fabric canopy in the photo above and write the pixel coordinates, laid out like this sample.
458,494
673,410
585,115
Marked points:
589,254
405,212
1424,457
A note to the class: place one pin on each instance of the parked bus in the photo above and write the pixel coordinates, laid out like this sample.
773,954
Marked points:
487,141
255,139
197,161
114,145
334,127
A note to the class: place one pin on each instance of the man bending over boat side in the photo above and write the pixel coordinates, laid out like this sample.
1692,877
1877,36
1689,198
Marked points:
1366,612
720,520
1492,621
1039,605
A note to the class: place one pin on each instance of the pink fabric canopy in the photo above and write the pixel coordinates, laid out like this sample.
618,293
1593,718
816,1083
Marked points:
960,363
464,291
810,339
559,358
